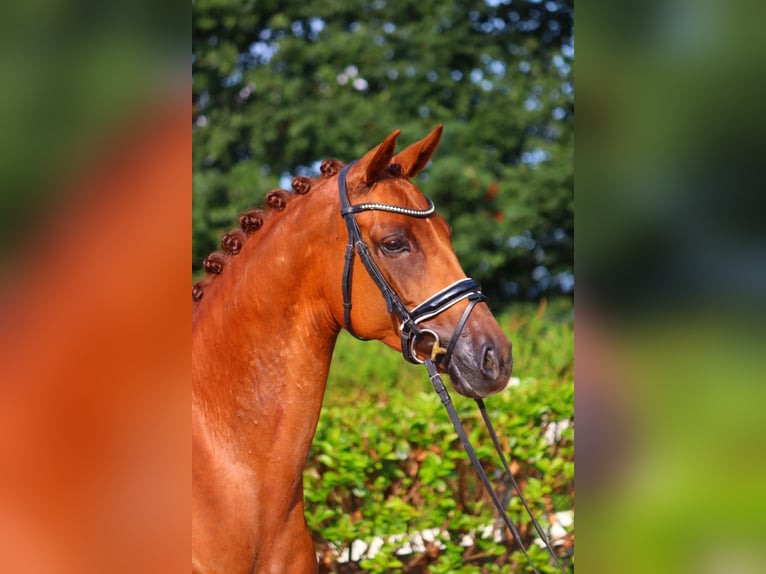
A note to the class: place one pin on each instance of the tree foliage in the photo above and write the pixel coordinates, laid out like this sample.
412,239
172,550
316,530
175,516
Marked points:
279,86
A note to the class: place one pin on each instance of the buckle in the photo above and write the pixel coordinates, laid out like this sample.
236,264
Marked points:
436,350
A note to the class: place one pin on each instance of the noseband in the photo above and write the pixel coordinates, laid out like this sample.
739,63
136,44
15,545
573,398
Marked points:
409,319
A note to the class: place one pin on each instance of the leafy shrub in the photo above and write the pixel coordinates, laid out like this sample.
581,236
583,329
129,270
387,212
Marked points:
386,460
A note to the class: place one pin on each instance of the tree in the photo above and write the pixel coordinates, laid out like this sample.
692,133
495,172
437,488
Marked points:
279,86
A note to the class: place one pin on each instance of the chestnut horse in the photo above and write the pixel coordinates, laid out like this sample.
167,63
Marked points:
264,325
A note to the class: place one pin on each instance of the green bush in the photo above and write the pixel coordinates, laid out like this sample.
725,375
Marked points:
386,460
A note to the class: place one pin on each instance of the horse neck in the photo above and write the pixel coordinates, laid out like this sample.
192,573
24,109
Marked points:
263,337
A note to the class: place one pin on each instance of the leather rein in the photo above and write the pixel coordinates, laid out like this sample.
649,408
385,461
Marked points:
411,331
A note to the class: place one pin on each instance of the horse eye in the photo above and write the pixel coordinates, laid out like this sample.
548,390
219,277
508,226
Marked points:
394,245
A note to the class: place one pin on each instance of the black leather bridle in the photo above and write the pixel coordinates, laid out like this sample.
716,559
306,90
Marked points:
410,332
410,319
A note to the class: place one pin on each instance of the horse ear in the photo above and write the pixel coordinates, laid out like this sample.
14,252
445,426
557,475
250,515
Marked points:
377,159
415,157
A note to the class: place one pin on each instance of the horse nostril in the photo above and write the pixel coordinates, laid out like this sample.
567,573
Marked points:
490,367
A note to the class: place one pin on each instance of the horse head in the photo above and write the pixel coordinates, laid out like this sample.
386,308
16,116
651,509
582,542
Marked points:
428,307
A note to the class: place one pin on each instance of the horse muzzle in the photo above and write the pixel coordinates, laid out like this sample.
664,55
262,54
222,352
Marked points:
480,366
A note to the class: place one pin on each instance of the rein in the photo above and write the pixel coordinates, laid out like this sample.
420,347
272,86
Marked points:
410,332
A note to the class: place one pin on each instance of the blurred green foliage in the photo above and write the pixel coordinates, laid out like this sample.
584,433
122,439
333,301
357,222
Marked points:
278,87
670,336
386,459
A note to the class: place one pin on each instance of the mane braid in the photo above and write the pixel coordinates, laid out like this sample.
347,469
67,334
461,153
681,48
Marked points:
232,242
251,221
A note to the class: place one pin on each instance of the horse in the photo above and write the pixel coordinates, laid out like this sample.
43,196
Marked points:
264,325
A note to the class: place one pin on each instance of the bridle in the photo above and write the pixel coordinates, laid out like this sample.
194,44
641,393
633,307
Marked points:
410,331
437,303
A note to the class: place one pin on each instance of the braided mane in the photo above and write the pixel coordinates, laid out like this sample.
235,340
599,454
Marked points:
252,220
